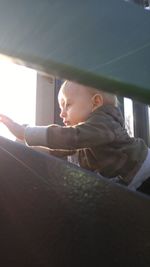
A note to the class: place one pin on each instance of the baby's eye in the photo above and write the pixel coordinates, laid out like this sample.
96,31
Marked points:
68,105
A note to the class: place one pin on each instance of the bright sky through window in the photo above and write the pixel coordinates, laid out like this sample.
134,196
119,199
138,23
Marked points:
128,112
17,94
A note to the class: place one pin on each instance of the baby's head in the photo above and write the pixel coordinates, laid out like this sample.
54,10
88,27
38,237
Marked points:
77,101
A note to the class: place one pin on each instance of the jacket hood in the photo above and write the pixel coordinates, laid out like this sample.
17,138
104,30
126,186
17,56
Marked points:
112,111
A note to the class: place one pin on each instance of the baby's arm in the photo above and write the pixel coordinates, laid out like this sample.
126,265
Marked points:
36,137
15,128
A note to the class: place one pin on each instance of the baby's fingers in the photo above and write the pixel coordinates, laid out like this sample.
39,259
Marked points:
6,120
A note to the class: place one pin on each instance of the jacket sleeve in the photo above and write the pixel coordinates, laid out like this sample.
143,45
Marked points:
93,132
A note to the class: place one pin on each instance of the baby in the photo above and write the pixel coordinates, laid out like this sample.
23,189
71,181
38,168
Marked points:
94,135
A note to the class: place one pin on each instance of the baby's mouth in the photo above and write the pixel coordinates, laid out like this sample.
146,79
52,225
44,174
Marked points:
66,123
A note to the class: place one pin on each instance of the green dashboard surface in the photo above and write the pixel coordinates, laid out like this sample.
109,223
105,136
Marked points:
101,43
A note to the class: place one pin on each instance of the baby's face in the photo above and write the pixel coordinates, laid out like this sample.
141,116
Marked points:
75,102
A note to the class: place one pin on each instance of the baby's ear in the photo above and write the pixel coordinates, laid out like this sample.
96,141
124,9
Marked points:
97,101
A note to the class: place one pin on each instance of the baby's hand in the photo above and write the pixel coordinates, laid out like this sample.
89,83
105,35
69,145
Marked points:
15,128
4,119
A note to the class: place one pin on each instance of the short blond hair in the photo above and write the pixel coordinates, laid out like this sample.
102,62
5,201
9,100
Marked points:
108,98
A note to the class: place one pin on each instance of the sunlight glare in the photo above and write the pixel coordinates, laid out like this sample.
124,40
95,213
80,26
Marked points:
17,94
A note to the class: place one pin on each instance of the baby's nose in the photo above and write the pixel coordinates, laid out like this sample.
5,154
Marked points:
62,113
